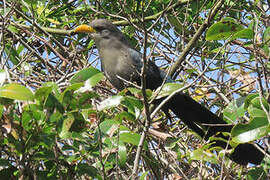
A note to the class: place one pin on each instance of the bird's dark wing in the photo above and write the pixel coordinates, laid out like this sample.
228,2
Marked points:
153,73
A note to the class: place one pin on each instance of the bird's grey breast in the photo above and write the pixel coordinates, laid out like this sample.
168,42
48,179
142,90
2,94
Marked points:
119,64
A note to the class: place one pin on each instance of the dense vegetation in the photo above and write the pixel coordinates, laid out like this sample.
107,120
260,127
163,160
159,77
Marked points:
61,119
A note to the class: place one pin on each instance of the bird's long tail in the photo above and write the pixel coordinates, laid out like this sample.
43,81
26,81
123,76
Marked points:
207,124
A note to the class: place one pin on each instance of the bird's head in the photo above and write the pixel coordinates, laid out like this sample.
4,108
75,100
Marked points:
103,32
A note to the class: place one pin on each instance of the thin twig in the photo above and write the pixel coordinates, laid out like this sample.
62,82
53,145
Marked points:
196,36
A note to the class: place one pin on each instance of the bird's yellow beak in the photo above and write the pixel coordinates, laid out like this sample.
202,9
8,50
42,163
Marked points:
84,29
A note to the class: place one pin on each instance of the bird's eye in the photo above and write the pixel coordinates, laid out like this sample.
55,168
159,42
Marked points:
98,29
105,31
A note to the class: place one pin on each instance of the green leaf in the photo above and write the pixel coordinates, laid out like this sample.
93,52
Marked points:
47,88
85,100
134,101
86,87
143,176
4,11
257,102
122,152
266,50
1,110
66,125
4,162
110,102
200,154
125,115
91,82
83,169
176,24
106,127
53,103
131,138
172,142
255,129
268,65
166,90
3,76
26,118
243,34
6,101
249,99
79,122
255,112
223,30
256,172
44,155
266,35
17,92
72,87
234,111
133,104
8,173
13,29
255,107
42,93
95,79
14,56
92,74
134,91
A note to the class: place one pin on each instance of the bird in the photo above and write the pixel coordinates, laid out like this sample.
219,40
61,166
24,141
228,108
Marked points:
121,64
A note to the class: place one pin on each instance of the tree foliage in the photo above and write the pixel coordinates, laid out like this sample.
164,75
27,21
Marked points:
61,119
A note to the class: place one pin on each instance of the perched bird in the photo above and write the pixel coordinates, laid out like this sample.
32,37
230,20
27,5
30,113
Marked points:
121,64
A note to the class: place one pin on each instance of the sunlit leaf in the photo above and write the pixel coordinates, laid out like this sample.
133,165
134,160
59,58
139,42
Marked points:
167,89
66,125
144,175
255,129
13,29
234,111
5,11
71,88
255,112
223,30
110,102
1,110
106,126
243,34
259,103
92,74
54,21
131,137
200,93
17,92
200,154
133,104
249,99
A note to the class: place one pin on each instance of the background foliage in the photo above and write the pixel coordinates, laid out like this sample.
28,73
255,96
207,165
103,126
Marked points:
61,122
